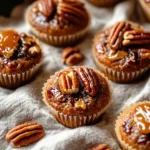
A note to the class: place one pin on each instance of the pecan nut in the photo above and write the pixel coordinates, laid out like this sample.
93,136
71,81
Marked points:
136,37
116,36
101,147
25,134
34,50
46,7
68,82
89,79
72,11
72,56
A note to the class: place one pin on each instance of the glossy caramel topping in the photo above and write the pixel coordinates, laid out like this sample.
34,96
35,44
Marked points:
142,118
8,40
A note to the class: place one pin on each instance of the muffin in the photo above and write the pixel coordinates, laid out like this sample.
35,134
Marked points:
20,57
104,3
132,127
58,22
122,51
77,96
145,4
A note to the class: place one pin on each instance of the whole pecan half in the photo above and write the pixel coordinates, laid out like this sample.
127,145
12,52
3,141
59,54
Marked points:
46,7
101,147
25,134
68,82
89,79
71,56
116,36
72,11
136,37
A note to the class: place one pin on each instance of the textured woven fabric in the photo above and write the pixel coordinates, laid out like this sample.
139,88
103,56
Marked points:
25,104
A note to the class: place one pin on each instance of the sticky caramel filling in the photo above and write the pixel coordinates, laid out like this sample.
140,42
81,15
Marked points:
142,118
18,52
8,40
135,130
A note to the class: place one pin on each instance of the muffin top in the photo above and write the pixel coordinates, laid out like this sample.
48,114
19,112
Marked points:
135,125
18,52
58,17
77,90
124,47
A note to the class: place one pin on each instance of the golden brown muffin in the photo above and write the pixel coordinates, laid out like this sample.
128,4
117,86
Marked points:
20,57
104,3
58,22
145,4
122,51
132,127
77,96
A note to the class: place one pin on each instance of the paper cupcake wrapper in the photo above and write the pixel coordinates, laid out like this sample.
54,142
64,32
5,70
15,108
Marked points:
103,3
58,40
73,121
15,80
76,121
145,8
120,76
123,144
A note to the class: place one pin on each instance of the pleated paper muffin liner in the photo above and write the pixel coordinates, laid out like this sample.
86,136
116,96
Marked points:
120,76
62,40
145,8
103,3
16,79
73,121
124,145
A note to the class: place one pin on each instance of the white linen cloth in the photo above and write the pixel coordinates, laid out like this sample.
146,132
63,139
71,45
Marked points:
25,104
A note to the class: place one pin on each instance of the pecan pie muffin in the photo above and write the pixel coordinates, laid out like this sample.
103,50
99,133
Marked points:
58,22
20,57
77,96
133,127
145,4
104,3
122,51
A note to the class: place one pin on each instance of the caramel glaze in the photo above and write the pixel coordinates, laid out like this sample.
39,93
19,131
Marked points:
14,54
66,103
56,23
142,118
8,40
136,128
133,59
131,132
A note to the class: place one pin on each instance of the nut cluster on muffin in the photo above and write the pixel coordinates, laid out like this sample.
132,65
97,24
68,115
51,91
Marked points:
122,51
58,22
133,127
77,96
20,56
